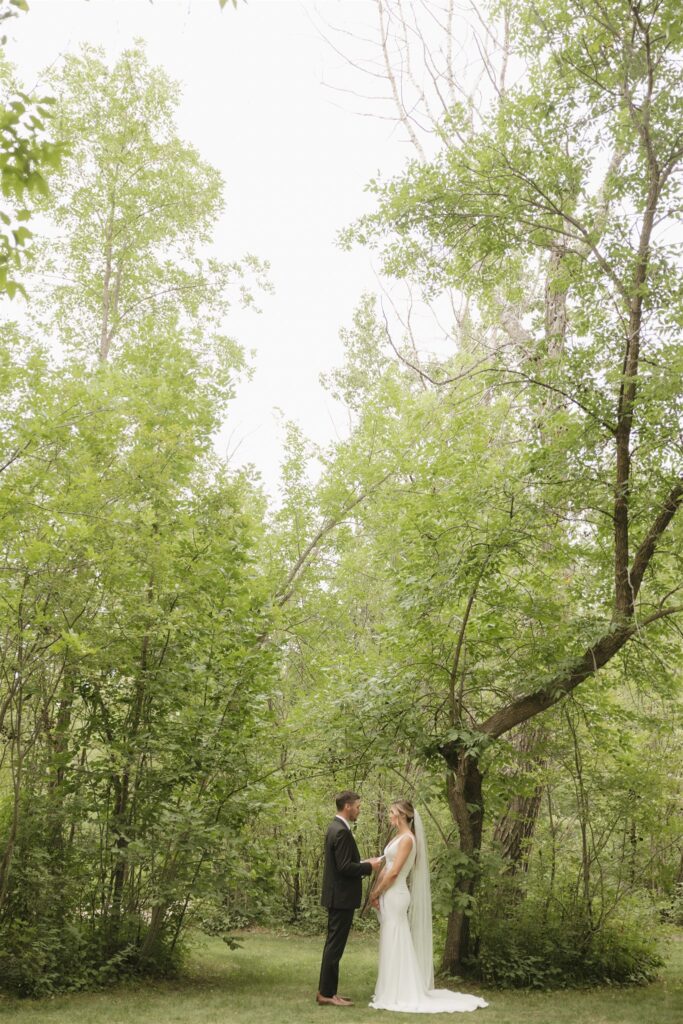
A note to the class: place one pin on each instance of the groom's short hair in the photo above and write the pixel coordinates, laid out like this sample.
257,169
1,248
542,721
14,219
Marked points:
347,796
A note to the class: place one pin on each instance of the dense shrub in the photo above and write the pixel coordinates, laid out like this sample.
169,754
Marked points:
45,955
535,946
671,910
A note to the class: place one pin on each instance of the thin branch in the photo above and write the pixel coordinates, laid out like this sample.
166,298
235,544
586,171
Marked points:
286,591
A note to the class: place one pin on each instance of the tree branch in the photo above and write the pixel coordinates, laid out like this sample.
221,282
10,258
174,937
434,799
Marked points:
285,592
647,547
564,682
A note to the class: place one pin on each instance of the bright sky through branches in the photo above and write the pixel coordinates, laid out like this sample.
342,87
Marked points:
295,158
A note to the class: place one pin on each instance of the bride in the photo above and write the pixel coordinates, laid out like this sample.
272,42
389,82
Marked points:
405,979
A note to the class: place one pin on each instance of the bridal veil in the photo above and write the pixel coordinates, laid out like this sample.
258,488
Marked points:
420,910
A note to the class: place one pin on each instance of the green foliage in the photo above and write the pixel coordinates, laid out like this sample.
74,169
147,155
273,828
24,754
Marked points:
671,909
134,674
532,945
134,207
530,471
187,676
28,154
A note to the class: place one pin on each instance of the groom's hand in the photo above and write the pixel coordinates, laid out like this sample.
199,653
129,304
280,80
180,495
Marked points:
375,862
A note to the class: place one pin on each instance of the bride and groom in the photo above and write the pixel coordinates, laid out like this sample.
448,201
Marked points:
401,895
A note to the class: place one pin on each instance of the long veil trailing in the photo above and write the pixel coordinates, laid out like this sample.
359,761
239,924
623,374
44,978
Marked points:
420,910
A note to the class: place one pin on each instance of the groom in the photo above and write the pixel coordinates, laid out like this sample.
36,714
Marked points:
342,892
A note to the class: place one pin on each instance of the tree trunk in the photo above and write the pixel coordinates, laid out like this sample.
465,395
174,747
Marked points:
154,931
516,826
465,800
119,870
296,880
16,707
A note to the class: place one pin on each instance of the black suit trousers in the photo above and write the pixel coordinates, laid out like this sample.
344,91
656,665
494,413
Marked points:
338,928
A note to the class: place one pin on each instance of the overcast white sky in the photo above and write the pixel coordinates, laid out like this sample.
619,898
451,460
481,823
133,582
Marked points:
295,158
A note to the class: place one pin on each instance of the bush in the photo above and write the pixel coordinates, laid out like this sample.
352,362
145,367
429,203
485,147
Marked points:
51,938
671,911
42,957
533,946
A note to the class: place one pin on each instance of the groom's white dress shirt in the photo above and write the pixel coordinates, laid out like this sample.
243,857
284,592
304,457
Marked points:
344,820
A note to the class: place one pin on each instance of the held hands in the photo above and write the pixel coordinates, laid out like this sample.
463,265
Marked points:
374,862
375,894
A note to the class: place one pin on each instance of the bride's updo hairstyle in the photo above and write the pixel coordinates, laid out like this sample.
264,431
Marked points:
405,808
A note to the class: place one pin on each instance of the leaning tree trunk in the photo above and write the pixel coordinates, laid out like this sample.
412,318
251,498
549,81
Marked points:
467,808
515,828
517,824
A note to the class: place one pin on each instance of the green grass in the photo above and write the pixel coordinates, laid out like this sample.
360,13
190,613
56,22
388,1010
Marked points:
272,980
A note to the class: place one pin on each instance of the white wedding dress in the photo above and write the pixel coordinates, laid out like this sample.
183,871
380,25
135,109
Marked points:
406,973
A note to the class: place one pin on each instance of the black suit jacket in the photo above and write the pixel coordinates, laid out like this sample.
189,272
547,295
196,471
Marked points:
343,871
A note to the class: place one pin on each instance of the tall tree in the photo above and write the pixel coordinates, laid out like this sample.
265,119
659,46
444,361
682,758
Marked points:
574,174
133,608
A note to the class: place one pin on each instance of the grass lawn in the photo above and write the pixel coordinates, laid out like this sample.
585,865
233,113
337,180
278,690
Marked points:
272,980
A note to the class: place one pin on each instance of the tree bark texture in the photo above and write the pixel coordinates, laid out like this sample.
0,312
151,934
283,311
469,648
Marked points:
516,826
465,799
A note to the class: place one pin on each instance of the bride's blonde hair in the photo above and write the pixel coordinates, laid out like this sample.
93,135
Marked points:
405,808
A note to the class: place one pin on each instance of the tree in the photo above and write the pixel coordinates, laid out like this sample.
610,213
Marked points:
133,609
28,152
574,174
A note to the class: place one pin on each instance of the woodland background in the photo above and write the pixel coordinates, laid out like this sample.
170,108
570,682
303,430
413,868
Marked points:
473,600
